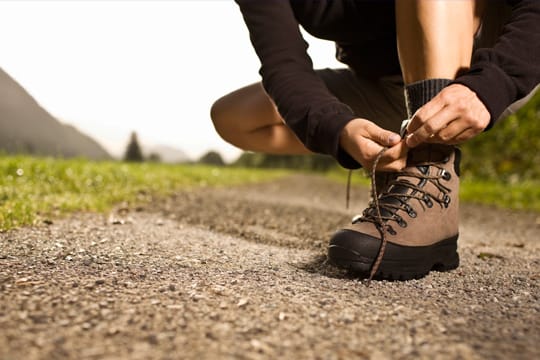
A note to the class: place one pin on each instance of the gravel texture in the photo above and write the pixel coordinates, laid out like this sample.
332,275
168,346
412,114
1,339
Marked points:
240,273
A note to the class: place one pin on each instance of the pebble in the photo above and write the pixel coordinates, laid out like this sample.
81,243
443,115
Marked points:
113,331
242,302
196,297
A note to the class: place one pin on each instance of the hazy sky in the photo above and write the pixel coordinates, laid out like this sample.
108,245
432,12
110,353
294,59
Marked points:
155,67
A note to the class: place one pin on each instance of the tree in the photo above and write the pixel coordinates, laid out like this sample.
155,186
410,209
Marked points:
314,162
133,151
154,157
509,151
212,158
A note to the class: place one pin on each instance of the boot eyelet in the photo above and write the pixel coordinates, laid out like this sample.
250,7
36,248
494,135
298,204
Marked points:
412,213
446,200
391,230
428,201
402,223
356,219
446,175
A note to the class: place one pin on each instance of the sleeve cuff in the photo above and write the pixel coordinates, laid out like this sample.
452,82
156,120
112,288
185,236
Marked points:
326,125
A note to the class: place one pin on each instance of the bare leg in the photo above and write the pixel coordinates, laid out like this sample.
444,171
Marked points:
435,37
248,119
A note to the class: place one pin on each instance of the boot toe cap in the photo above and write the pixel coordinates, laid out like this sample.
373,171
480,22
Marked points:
353,250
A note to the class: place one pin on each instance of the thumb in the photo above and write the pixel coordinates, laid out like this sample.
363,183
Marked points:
382,136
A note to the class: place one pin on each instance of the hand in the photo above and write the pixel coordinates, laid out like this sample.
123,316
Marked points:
363,140
455,115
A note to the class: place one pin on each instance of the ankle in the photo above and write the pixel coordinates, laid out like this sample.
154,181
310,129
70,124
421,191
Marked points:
418,93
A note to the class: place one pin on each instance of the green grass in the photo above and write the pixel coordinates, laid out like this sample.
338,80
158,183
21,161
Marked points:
519,195
33,189
358,177
523,195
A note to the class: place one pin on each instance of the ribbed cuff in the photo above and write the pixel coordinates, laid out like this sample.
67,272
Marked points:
419,93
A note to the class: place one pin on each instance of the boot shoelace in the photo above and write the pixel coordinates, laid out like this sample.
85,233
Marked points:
373,212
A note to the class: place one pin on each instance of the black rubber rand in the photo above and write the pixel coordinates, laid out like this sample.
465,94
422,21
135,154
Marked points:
399,262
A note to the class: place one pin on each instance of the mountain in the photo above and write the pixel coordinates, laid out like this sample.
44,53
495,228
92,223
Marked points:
167,154
25,127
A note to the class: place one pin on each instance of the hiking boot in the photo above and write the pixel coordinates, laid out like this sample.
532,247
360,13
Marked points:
411,226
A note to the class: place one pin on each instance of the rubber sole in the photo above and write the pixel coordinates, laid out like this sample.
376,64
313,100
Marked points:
399,262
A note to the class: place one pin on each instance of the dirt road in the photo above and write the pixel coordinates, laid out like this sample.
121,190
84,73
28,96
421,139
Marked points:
240,273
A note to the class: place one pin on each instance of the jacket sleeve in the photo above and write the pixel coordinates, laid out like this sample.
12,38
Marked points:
511,69
302,99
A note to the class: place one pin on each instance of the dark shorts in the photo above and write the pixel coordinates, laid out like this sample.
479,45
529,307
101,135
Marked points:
381,101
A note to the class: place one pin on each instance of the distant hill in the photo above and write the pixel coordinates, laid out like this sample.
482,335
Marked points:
167,154
25,127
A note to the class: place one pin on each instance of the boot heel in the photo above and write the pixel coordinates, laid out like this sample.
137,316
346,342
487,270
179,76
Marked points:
448,258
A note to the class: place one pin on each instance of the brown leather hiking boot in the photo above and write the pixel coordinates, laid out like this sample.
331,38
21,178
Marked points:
412,225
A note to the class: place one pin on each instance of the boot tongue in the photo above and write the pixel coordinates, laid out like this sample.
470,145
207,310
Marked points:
423,169
429,153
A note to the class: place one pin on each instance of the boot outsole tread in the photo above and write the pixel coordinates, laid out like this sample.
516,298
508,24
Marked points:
399,262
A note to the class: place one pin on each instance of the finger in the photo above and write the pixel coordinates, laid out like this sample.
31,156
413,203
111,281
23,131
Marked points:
453,129
366,152
395,152
394,158
382,136
394,166
432,127
465,135
458,128
424,113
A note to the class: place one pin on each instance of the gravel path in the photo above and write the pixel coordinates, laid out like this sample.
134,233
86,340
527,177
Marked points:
240,273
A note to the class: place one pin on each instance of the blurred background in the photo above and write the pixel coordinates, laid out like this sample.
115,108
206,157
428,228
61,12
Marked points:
79,77
88,78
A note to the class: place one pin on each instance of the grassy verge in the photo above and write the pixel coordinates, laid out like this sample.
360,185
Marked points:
37,188
358,177
522,195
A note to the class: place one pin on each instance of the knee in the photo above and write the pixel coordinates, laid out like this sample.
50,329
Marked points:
236,115
217,110
219,113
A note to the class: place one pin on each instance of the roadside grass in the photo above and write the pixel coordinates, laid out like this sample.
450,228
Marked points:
523,195
35,189
519,195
